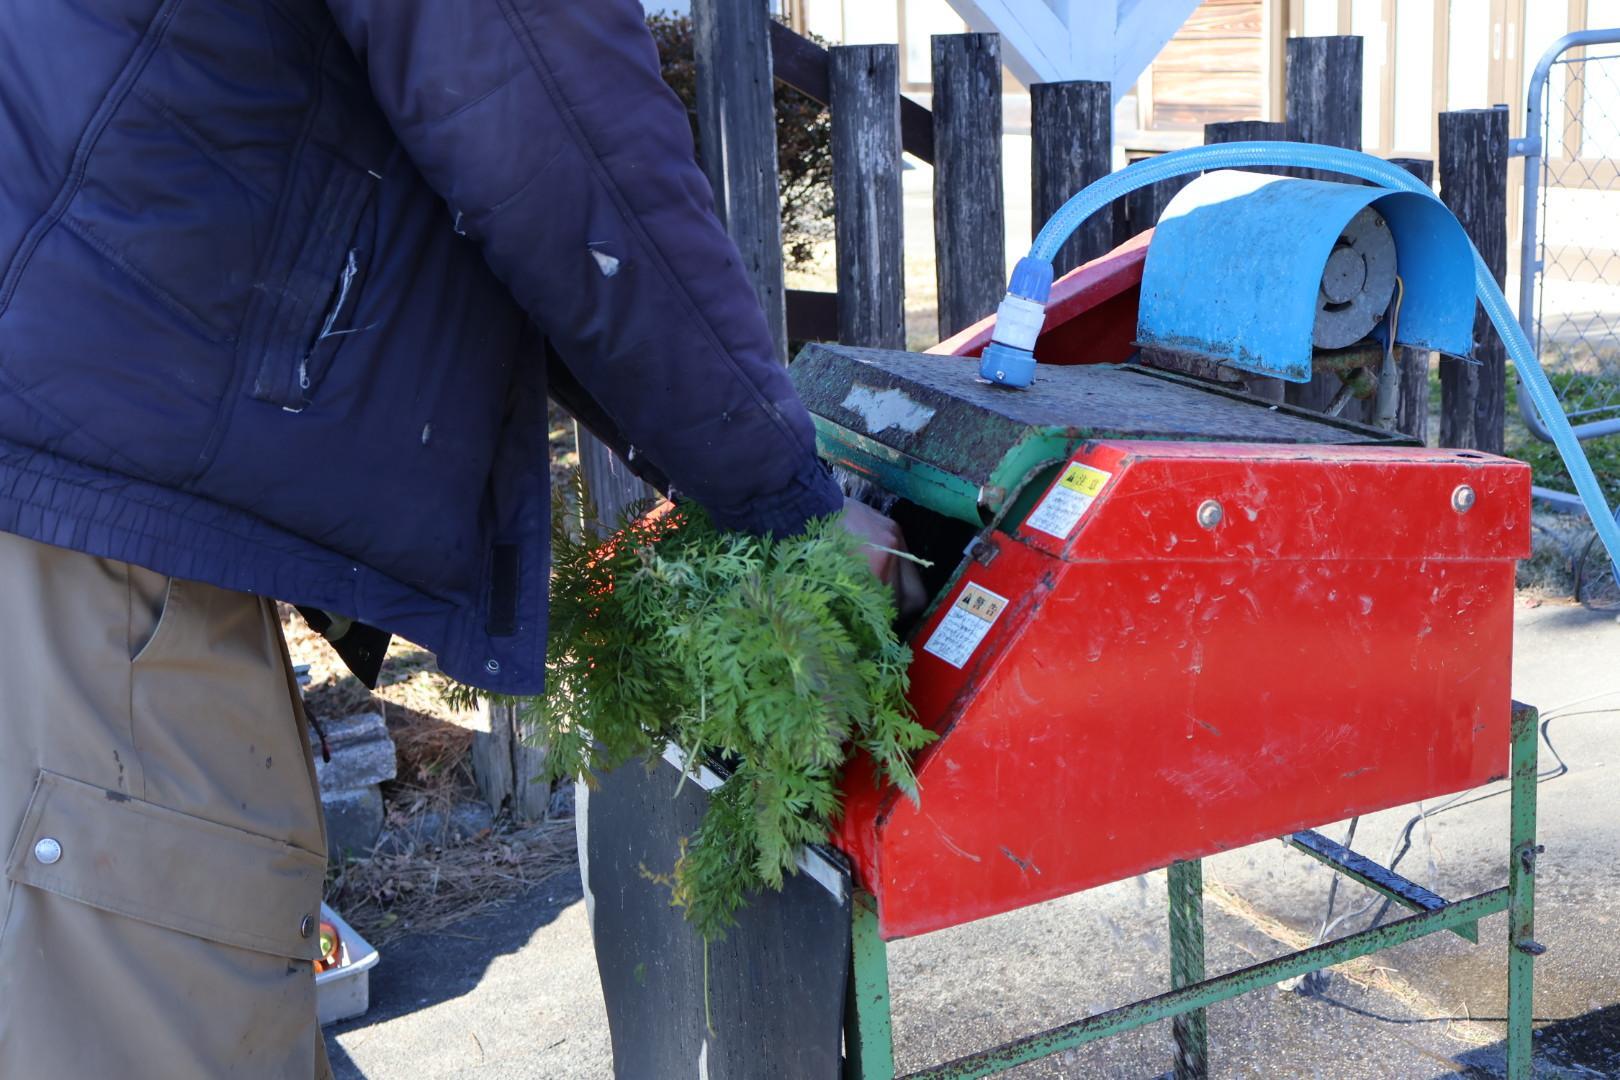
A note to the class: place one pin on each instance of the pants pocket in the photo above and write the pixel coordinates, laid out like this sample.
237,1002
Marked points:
143,942
147,633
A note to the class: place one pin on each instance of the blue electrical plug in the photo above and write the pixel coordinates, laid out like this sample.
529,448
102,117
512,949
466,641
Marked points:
1009,359
1007,365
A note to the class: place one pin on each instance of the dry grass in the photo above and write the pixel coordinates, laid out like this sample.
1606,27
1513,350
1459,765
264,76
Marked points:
386,896
435,764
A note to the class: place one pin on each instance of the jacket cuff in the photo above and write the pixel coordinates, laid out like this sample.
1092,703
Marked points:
813,493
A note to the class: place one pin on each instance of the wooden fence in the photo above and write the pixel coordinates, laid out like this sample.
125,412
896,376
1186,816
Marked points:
741,50
1072,140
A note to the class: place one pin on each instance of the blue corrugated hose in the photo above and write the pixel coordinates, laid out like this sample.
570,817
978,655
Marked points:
1032,282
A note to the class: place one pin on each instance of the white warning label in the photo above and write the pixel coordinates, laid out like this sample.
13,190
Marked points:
965,625
1068,501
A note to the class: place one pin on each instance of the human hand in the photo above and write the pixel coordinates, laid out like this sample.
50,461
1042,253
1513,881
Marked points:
883,538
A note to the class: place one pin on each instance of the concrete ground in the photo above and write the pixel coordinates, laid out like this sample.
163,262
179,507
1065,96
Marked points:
514,994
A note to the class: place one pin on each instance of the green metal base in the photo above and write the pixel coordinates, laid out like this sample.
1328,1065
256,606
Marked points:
868,1034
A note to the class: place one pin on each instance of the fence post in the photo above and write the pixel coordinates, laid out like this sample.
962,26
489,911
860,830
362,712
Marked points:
1230,131
736,108
1139,210
867,211
970,233
1072,132
1473,184
1412,412
1323,94
1323,104
611,484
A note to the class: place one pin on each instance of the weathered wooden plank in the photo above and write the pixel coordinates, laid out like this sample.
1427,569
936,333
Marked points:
1207,54
1412,412
612,486
766,1000
508,767
1139,211
492,757
969,215
916,130
867,208
531,784
1323,101
737,125
1240,18
1209,89
799,62
812,315
1191,116
1322,89
1071,129
802,64
1230,131
1473,183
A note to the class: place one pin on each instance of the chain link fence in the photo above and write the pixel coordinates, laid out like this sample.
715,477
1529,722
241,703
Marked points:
1570,262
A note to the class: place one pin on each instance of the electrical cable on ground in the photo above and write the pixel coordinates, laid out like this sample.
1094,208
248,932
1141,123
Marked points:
1402,845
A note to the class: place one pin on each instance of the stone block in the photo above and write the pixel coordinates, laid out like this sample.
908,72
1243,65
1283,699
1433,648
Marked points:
465,821
354,820
362,753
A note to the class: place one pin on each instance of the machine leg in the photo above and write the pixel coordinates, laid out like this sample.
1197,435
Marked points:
1186,881
868,1036
1522,945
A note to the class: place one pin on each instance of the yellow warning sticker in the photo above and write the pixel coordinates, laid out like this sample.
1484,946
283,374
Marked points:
965,625
1067,502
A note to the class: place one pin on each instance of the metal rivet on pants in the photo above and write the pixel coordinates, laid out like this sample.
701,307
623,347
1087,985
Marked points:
47,851
492,666
1462,498
1210,513
307,927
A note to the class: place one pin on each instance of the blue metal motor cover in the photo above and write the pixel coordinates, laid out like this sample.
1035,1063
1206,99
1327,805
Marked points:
1236,263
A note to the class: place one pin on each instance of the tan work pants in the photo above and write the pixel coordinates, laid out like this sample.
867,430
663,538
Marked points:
161,899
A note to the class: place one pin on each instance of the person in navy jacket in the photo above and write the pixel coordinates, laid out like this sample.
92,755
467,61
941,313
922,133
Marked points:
284,287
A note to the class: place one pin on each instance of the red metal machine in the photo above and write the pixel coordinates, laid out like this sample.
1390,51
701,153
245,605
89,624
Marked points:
1186,619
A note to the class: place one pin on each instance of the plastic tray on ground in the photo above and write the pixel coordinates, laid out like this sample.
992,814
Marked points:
344,992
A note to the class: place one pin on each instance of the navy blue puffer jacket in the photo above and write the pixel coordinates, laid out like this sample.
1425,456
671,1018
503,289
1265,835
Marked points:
279,280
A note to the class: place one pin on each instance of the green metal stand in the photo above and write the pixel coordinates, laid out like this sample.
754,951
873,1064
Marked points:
869,1039
1522,945
1190,1030
868,1036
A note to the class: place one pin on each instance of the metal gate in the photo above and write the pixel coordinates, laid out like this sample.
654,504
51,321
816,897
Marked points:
1569,271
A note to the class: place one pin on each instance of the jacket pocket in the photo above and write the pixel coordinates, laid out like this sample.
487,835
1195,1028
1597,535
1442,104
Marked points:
314,311
142,861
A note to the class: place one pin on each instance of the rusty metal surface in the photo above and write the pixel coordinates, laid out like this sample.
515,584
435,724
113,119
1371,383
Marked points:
1091,400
